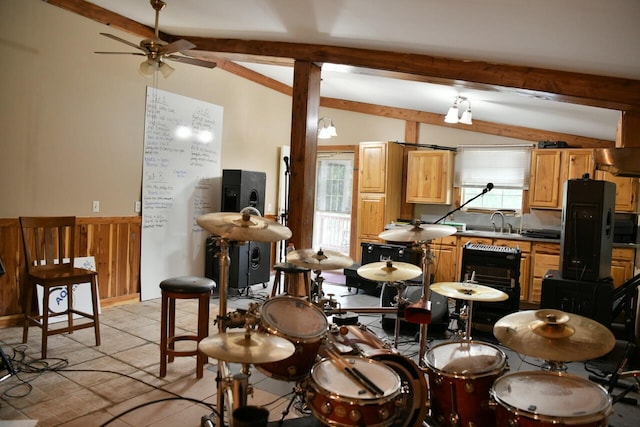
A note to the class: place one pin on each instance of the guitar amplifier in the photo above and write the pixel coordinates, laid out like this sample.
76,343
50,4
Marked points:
376,252
497,267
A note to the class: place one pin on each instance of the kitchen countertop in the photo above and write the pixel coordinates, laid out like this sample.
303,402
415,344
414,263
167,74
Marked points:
515,236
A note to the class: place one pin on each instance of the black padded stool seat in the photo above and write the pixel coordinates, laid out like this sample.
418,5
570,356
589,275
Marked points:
184,287
292,274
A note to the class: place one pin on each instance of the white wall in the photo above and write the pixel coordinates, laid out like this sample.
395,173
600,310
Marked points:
73,121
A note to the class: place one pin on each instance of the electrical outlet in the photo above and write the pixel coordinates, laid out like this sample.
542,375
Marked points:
95,207
137,207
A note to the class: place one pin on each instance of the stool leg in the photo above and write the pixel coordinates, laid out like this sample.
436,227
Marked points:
163,336
203,332
172,328
276,284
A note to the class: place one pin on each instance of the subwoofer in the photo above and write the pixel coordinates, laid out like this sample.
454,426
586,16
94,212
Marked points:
586,241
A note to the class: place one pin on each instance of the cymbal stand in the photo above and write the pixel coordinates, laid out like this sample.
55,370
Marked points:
318,293
427,261
401,303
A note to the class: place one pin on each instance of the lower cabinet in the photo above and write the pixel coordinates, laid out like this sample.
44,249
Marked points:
544,257
445,260
622,260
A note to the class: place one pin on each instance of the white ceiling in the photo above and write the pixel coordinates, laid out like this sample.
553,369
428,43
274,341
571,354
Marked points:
586,36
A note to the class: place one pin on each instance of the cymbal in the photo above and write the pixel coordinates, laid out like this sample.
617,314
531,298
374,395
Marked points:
554,335
236,347
389,271
243,227
319,260
469,291
417,232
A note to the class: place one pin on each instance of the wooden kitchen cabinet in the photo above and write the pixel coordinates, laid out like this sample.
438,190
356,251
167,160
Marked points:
544,257
380,188
445,259
551,168
430,177
626,191
622,260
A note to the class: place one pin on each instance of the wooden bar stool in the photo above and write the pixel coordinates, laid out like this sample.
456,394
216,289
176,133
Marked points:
292,276
185,287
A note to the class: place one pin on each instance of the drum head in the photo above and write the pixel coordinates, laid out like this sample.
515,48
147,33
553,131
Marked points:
467,359
552,394
294,318
331,379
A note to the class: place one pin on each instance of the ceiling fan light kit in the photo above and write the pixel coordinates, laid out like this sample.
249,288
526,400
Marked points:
157,50
328,130
453,113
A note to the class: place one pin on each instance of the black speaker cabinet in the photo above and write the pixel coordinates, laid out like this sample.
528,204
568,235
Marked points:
241,189
587,229
376,252
589,299
249,264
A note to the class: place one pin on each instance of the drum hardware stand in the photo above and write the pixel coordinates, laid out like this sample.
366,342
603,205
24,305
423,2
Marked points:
553,366
427,261
298,393
401,304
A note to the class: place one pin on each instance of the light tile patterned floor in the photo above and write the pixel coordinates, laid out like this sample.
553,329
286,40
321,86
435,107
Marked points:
84,385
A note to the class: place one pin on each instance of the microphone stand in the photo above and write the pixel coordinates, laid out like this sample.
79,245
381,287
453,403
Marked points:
284,216
484,191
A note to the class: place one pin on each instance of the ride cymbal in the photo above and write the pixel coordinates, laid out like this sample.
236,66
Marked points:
417,233
238,347
469,291
319,260
389,271
554,335
243,227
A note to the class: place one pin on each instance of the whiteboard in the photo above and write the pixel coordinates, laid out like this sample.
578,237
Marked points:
181,181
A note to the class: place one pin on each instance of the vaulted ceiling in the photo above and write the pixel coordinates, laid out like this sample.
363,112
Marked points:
565,67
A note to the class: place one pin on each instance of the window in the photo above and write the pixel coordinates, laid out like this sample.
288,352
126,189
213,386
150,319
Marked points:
505,166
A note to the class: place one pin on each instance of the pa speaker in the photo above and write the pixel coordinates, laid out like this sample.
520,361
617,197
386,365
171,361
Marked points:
587,229
241,189
249,264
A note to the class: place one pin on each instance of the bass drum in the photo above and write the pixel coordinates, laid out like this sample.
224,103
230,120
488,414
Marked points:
415,391
543,398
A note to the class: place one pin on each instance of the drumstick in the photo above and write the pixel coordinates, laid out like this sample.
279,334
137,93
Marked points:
355,373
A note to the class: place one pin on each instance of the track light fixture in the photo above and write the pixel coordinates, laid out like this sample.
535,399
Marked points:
328,130
453,113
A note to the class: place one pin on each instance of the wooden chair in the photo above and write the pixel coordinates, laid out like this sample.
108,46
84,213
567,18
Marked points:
49,244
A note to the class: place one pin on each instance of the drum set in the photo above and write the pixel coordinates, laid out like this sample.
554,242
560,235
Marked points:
347,376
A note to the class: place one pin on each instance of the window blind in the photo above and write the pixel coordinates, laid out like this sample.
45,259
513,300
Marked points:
506,166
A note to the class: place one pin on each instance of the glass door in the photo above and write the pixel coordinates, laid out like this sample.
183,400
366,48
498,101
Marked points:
332,216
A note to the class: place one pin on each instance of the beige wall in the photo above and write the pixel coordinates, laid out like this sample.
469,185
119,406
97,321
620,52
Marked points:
73,121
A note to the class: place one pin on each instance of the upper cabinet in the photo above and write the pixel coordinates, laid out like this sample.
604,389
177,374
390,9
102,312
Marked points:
430,177
550,168
626,191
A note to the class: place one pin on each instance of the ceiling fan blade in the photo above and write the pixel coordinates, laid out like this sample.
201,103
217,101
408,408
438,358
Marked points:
121,53
116,38
176,46
192,61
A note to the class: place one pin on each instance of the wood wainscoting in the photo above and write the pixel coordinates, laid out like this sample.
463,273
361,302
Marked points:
114,242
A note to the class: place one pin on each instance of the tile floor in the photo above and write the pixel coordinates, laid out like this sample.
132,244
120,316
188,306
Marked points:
117,383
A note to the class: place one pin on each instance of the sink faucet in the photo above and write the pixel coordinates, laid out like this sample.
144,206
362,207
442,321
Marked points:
501,223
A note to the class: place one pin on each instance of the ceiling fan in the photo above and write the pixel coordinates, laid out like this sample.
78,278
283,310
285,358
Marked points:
157,50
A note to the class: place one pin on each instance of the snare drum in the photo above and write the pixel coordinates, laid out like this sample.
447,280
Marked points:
544,398
301,323
460,376
337,400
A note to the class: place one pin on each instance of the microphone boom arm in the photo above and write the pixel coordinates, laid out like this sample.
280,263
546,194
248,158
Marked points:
484,191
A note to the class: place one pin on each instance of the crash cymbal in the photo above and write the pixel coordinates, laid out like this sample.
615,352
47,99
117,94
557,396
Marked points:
554,335
236,347
243,227
319,260
469,291
417,232
389,271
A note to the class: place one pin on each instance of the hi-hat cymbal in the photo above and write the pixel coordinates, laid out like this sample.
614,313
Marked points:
417,233
243,227
554,335
469,291
238,348
319,260
389,271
